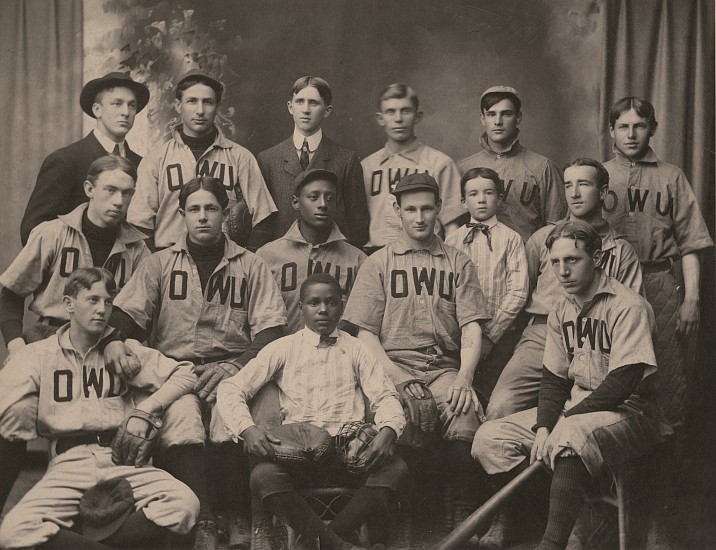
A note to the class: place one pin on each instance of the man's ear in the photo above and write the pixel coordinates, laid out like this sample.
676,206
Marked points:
611,131
89,188
329,110
294,202
482,118
379,119
418,117
96,108
69,303
182,212
396,207
518,117
597,257
225,213
177,106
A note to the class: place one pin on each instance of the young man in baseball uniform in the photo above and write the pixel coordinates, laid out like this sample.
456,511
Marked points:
310,104
197,147
322,374
83,409
418,306
589,413
651,203
403,153
586,184
93,234
499,257
207,300
313,244
113,100
533,183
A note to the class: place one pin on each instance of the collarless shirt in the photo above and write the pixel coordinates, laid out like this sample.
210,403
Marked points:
292,259
383,169
109,144
320,384
313,142
651,203
502,272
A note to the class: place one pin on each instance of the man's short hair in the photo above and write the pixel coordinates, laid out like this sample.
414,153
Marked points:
578,231
398,91
193,81
314,174
324,90
481,172
602,174
492,98
642,107
108,163
208,183
317,279
85,277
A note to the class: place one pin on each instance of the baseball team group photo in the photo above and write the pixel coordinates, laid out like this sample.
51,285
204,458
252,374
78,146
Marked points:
358,275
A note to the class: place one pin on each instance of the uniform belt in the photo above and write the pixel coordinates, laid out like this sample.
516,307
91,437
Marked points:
433,350
207,360
103,439
654,266
51,321
537,320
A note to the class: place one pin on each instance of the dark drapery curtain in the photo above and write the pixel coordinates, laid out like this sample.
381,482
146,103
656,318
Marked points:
41,68
663,50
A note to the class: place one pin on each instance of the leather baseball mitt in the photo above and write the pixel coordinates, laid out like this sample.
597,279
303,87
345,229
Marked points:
302,444
421,415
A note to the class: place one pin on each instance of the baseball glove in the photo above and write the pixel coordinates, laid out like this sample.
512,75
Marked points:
352,442
421,415
238,222
302,444
135,449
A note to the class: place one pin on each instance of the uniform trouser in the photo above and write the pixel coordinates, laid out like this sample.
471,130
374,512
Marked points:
490,368
53,503
438,373
517,388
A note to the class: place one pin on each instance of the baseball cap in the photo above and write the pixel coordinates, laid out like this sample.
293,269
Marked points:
416,182
203,76
111,80
314,174
105,507
501,89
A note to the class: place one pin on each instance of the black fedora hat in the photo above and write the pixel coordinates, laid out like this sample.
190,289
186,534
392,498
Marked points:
110,80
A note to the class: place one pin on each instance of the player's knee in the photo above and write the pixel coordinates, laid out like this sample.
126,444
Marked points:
18,423
182,423
459,427
265,476
188,504
485,441
501,405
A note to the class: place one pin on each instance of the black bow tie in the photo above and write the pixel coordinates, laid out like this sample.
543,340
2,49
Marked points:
474,227
328,340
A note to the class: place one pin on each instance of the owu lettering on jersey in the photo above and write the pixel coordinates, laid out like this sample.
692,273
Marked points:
587,332
392,176
529,192
103,382
70,261
219,170
637,198
289,275
224,287
402,282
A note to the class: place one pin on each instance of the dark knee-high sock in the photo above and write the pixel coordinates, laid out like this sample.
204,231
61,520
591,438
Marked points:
12,454
228,477
65,539
294,511
187,463
566,498
368,505
470,484
137,530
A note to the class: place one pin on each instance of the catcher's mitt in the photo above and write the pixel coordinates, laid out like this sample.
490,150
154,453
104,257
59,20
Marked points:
238,222
421,415
135,449
302,444
352,442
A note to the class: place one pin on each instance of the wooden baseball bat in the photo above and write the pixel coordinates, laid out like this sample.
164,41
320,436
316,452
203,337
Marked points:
484,513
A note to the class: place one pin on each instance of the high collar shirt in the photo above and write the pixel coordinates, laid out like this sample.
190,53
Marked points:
313,142
612,330
652,205
534,189
320,384
76,393
292,259
241,299
619,260
413,298
108,144
168,167
502,272
57,248
383,169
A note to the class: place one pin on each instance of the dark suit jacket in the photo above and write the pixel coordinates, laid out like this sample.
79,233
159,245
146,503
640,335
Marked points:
60,184
280,166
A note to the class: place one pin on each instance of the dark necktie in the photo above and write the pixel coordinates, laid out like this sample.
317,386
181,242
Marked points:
305,159
475,227
116,152
328,340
